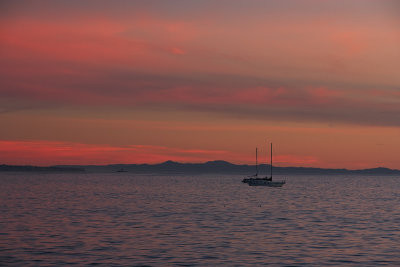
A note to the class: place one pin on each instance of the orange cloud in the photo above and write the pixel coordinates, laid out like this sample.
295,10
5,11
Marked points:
210,61
44,153
349,42
295,160
178,51
52,153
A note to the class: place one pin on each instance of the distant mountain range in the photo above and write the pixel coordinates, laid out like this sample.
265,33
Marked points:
217,167
220,166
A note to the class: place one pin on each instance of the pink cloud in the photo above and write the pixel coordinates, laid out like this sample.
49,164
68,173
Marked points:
258,96
45,153
40,152
97,60
95,40
178,51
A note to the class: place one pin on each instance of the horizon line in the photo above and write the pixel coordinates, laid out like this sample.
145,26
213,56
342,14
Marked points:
205,162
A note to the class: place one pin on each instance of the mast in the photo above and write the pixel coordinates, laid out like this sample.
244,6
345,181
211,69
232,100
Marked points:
256,163
271,160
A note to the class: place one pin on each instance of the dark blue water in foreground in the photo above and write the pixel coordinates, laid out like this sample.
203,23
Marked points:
211,220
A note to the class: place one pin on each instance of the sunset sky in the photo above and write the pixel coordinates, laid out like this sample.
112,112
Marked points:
102,82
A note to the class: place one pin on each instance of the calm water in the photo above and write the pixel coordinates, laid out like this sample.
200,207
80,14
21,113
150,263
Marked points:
209,220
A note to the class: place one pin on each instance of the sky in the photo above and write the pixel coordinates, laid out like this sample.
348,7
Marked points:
103,82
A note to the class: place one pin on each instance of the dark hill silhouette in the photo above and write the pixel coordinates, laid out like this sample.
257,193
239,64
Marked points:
224,167
216,167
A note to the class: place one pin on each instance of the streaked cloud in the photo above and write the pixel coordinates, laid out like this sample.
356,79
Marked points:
41,152
307,62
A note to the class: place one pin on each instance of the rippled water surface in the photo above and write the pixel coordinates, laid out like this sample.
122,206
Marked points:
124,219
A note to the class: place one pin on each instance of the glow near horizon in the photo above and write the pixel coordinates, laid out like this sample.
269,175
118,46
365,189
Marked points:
200,80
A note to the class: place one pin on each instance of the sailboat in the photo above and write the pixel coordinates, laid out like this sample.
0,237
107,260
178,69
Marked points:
255,176
266,181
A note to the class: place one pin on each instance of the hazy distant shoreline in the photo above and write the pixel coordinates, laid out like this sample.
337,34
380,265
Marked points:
28,168
216,167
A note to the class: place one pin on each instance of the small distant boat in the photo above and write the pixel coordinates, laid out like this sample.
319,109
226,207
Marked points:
122,170
266,181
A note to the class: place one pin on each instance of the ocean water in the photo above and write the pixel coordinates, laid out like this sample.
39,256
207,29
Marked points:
124,219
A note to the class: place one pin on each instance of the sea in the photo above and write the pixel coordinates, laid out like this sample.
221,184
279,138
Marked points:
125,219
